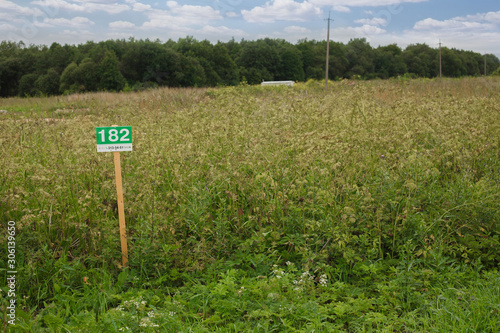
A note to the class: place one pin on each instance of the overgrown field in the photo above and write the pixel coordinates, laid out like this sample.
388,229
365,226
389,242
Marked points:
370,207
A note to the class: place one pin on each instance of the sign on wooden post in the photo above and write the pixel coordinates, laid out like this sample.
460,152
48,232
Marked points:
116,139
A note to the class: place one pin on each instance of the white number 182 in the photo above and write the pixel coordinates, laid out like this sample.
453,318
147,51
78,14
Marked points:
113,135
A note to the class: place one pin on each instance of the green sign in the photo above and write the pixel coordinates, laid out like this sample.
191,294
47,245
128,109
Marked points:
116,138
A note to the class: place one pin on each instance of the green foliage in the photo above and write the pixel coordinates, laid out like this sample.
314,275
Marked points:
389,62
135,65
259,61
370,206
108,72
69,78
27,85
360,56
48,84
422,60
291,66
11,72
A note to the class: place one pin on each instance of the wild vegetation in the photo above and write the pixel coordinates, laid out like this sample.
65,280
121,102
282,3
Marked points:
120,65
370,207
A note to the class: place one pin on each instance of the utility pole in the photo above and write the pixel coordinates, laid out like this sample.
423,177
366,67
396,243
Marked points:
440,64
327,50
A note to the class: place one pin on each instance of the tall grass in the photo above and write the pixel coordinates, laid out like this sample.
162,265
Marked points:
387,190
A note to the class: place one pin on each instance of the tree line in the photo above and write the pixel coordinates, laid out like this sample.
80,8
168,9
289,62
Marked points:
118,65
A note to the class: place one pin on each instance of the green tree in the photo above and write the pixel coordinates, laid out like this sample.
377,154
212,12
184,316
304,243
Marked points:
10,73
338,63
492,63
291,66
421,60
496,72
87,75
472,62
233,48
108,71
165,68
59,57
145,61
360,55
389,61
258,61
69,79
451,64
193,74
48,83
27,85
224,65
313,58
218,66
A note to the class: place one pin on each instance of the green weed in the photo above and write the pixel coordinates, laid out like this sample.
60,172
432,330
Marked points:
372,206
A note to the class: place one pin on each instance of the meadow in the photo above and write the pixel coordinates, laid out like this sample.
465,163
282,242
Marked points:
373,206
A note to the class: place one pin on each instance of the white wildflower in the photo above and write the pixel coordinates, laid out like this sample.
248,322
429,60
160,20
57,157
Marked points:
323,280
146,322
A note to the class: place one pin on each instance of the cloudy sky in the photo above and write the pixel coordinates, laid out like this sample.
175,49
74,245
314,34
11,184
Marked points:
464,24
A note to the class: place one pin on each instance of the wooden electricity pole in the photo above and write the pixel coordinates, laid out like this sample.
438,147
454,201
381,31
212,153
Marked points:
327,50
440,64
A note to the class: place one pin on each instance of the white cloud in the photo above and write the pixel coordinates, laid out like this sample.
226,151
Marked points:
362,3
222,31
291,33
341,9
493,17
5,17
372,21
282,10
179,17
121,25
365,30
12,12
471,32
193,12
293,29
453,25
118,35
7,27
72,36
76,22
110,7
232,14
140,7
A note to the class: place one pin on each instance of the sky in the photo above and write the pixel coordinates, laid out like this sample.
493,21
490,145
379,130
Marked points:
463,24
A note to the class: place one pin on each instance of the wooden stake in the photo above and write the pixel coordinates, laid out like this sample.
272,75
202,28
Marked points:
121,210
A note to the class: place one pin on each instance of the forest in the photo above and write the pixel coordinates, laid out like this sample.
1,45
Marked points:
132,65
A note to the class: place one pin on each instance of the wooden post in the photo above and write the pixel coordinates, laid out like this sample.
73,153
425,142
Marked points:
121,210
